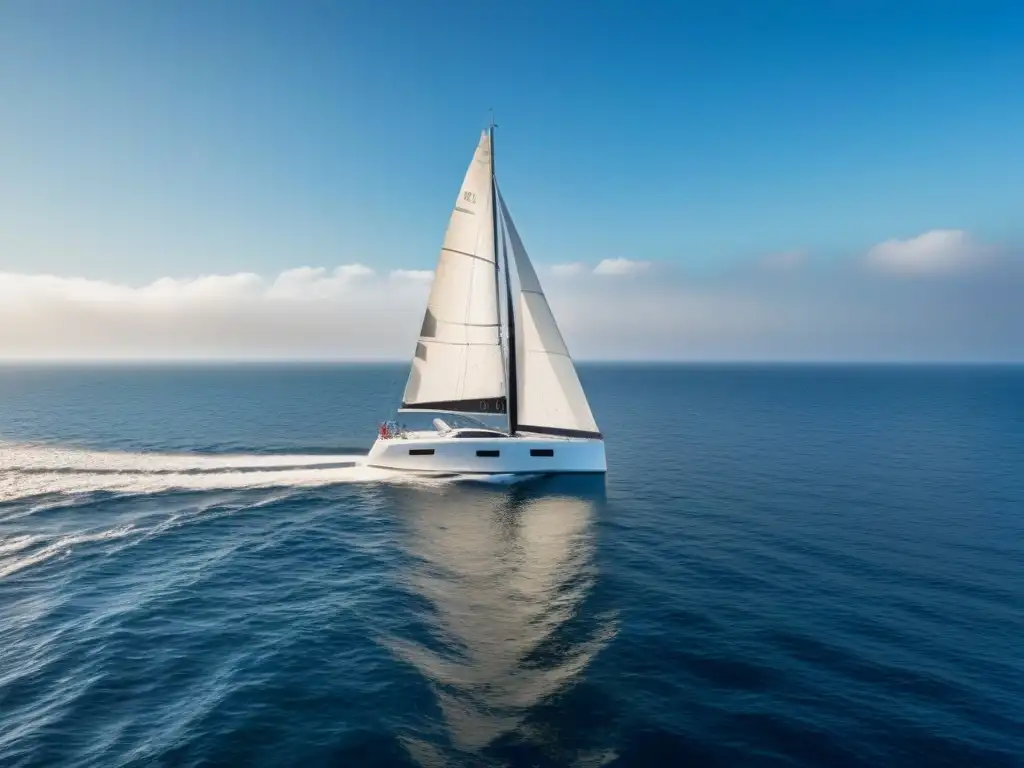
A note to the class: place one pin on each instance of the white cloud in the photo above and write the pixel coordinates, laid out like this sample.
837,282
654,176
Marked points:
939,251
166,288
303,312
568,270
416,275
836,311
314,282
620,266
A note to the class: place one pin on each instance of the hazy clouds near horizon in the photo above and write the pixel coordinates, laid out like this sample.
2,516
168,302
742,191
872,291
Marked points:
939,296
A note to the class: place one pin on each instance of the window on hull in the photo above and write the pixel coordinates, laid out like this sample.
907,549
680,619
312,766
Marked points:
421,451
542,451
489,454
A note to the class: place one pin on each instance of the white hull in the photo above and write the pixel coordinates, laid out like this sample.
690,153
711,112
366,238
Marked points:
439,454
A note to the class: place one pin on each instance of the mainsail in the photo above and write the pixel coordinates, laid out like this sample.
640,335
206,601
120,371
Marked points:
458,364
550,397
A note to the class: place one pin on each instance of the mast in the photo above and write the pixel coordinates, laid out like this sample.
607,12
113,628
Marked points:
512,386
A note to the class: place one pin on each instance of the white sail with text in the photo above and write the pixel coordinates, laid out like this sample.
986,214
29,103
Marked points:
458,365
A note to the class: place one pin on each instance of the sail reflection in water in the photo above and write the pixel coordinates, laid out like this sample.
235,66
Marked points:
509,580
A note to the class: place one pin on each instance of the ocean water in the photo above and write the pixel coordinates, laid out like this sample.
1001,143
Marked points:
784,566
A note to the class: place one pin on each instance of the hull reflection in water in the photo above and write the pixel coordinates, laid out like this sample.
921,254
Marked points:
509,578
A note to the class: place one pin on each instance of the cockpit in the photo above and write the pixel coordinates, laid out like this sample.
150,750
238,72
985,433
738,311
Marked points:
473,427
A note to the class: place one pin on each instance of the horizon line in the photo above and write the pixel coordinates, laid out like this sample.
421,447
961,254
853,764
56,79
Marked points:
226,361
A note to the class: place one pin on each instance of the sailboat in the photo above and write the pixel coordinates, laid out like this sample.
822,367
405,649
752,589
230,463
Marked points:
474,360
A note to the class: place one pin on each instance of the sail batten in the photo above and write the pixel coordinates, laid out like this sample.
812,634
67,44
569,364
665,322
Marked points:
458,354
469,255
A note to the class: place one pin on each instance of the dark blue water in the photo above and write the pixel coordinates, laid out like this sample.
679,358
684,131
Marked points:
784,566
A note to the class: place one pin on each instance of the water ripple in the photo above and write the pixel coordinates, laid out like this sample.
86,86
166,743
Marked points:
809,573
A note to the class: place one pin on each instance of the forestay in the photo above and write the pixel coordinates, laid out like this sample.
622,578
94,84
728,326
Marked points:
550,397
458,364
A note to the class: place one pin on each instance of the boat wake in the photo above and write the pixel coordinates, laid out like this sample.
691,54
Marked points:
23,552
36,480
31,470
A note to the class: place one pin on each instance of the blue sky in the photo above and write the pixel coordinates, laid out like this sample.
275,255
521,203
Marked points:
148,140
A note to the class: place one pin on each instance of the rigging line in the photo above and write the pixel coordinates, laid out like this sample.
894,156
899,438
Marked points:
393,384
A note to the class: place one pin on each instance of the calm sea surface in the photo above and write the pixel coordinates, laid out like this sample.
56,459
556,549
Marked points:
784,566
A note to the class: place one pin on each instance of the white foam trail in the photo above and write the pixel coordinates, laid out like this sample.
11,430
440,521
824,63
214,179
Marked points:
34,470
21,485
14,457
39,470
16,544
59,475
61,546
